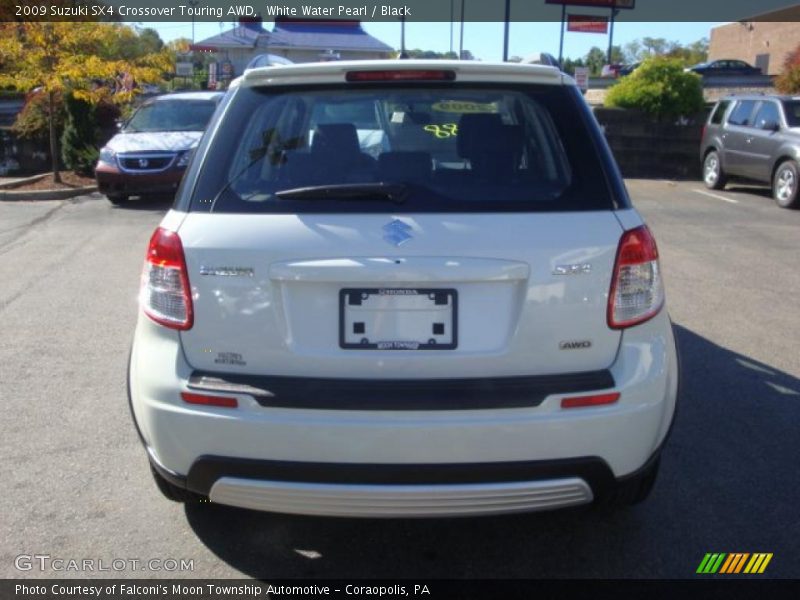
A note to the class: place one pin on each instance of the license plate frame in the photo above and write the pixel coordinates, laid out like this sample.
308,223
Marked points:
439,297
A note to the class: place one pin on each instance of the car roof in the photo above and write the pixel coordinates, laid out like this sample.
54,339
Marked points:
188,96
756,97
471,71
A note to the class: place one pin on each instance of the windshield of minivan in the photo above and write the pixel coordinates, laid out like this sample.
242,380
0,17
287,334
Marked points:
445,148
792,110
172,115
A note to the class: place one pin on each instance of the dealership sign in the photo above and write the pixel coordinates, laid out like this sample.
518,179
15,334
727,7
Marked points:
624,4
587,23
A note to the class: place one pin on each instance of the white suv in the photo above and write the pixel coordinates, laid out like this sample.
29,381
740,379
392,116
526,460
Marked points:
411,288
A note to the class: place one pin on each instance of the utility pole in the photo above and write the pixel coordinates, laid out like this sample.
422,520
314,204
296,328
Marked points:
461,42
614,13
561,43
505,35
403,37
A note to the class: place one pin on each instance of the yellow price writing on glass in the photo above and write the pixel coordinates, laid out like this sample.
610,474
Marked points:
442,131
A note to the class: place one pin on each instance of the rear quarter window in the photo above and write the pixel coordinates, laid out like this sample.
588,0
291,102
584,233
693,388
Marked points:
451,148
719,112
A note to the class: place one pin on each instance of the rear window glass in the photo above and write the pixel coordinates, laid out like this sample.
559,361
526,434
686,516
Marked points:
366,148
741,113
792,110
719,112
172,115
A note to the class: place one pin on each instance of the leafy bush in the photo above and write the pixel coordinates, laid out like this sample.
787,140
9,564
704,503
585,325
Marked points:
78,151
788,82
33,120
659,87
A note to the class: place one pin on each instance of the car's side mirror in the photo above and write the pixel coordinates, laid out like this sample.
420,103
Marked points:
770,125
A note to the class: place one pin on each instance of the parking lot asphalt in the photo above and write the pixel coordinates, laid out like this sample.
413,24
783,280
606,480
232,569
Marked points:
76,480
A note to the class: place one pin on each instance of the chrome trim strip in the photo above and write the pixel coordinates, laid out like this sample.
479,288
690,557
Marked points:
369,500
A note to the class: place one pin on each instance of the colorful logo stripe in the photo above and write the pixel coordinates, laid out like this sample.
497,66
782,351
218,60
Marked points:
734,563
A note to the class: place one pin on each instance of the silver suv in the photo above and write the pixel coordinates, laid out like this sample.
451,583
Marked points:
756,138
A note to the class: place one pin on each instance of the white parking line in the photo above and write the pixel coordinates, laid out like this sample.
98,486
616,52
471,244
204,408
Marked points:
717,196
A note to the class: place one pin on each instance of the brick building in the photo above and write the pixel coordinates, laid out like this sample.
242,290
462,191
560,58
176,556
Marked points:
763,41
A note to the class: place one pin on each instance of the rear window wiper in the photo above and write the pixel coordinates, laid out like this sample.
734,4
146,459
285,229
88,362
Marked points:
394,192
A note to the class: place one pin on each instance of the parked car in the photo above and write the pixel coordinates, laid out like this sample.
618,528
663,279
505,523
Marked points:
469,320
756,138
150,153
724,68
628,69
611,70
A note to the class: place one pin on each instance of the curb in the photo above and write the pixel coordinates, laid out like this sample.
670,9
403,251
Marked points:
48,194
10,185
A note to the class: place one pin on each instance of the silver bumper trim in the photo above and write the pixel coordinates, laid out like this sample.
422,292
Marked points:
348,500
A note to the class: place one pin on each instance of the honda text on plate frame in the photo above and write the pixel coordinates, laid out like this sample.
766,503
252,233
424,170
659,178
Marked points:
412,288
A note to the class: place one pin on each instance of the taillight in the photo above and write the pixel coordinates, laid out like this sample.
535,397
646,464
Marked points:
401,75
165,294
637,292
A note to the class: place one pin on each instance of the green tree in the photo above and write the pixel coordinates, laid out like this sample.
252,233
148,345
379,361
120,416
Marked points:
60,57
595,60
78,151
633,51
654,46
569,64
660,88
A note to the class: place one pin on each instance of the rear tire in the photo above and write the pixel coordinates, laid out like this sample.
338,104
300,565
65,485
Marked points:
785,185
173,492
117,199
633,490
713,175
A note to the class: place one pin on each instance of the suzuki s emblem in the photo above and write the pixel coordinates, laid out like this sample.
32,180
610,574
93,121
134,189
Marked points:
397,232
143,163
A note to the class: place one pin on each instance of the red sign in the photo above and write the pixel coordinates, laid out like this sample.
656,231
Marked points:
587,23
626,4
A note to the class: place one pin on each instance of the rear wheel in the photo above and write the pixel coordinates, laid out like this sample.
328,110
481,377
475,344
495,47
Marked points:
785,185
633,490
713,176
117,199
173,492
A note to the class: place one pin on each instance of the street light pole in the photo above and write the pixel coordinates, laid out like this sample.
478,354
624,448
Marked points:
451,25
193,4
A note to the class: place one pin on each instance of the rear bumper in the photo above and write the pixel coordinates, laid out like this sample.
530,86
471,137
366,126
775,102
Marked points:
277,458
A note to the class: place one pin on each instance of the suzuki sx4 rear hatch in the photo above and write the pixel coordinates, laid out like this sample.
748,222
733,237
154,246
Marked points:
374,255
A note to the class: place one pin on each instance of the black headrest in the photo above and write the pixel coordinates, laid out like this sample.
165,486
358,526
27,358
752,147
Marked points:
405,165
336,138
485,133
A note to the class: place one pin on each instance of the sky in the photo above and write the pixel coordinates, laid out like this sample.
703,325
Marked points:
485,40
